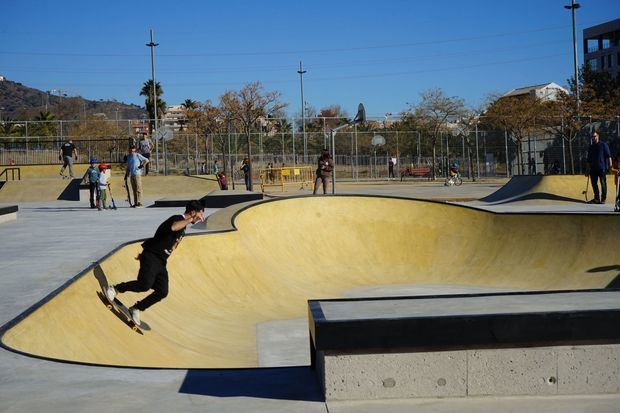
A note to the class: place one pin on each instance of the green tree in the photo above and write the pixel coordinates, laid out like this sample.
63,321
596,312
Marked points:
599,99
147,91
517,115
189,104
45,125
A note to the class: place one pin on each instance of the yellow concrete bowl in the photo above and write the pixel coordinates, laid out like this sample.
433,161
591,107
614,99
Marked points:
282,253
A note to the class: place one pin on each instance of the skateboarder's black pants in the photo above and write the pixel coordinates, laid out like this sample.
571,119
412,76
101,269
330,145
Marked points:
152,274
594,177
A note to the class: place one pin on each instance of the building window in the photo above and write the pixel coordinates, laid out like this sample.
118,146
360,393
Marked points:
592,45
593,63
605,43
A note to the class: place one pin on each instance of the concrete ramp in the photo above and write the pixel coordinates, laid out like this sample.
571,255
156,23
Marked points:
42,189
568,188
223,285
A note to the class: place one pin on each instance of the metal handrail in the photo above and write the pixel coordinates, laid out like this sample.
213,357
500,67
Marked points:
6,171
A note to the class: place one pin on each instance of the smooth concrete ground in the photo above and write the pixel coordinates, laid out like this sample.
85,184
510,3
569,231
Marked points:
51,242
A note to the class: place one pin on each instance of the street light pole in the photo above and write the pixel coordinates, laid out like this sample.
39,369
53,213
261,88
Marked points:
573,7
301,72
152,45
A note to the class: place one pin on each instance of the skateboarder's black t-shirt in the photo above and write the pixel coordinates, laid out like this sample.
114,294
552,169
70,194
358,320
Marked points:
67,149
164,239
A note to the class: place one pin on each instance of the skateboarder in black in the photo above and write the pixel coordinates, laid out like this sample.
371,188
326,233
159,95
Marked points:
153,259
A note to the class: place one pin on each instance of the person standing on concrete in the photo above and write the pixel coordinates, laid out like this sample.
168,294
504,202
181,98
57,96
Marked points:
135,163
153,273
391,164
599,161
246,167
323,171
65,154
215,169
145,147
92,177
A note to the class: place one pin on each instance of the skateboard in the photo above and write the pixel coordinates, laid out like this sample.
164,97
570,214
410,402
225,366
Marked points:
121,311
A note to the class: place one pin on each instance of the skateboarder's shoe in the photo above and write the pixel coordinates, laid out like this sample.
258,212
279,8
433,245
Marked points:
135,315
110,293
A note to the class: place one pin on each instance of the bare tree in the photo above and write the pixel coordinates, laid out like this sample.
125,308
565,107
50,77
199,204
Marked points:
436,109
248,105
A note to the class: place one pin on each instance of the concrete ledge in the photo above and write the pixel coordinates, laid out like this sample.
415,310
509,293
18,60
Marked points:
500,344
8,213
536,371
214,199
223,199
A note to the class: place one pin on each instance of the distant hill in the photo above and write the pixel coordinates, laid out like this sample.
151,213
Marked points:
24,103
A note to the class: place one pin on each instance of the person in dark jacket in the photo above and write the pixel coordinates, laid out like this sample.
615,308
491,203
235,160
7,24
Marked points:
599,161
323,171
154,258
246,167
92,177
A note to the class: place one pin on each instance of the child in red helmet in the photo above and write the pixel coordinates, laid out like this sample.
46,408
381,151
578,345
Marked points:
103,186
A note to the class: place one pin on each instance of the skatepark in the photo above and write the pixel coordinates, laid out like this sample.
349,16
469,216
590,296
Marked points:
233,334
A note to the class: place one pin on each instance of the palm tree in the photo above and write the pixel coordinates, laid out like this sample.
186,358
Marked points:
147,91
189,104
45,125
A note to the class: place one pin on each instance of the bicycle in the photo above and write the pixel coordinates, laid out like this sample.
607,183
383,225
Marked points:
454,180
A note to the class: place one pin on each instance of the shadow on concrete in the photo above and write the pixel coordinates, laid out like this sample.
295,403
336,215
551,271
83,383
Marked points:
615,283
284,383
71,191
541,196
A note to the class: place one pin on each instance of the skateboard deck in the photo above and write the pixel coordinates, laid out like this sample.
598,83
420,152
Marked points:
128,192
121,311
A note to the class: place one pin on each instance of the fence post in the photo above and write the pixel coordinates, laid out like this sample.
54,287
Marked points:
357,165
506,144
477,158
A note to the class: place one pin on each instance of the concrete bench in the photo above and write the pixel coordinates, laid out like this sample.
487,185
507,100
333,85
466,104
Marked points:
500,344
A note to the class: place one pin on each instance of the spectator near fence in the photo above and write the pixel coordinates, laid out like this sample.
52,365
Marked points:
65,154
135,163
599,161
323,171
145,147
246,167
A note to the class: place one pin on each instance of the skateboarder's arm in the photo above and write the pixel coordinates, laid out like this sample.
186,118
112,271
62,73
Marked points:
194,217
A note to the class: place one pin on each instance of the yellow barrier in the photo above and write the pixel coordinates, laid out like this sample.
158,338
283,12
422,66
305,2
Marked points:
302,176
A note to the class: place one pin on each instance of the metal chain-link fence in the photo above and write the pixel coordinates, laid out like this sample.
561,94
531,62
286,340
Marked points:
479,153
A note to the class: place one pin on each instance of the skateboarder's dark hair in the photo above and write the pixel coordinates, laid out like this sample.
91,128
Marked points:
194,205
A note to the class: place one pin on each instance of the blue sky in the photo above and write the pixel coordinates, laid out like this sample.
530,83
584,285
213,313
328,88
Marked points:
381,53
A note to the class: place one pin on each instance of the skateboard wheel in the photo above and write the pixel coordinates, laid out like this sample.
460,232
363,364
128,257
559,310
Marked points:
109,306
134,328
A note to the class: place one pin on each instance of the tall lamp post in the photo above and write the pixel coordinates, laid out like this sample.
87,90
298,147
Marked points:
573,7
301,72
154,97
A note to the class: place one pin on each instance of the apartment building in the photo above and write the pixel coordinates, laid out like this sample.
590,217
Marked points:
601,47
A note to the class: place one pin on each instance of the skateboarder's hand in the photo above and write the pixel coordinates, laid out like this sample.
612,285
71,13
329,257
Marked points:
199,217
